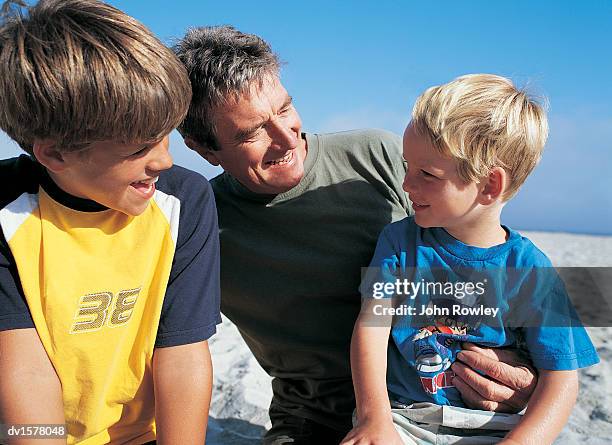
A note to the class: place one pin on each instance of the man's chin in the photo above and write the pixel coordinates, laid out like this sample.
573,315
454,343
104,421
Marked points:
286,182
272,185
285,186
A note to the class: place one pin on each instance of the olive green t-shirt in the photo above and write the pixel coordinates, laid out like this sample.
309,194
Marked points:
290,265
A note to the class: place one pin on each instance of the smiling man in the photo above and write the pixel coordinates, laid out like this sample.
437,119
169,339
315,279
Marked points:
299,215
260,131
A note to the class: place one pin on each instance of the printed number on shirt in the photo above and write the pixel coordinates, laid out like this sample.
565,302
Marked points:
95,310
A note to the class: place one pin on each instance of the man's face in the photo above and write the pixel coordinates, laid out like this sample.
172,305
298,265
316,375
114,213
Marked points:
260,142
440,197
119,176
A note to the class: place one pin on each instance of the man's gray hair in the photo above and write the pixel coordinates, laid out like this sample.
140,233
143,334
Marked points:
222,63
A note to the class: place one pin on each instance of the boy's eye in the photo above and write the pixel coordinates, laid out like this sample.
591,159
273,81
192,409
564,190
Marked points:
428,175
142,151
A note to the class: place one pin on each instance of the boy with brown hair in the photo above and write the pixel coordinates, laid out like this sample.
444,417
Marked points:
109,256
469,147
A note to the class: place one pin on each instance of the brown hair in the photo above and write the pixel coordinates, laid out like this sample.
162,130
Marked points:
223,63
484,121
81,71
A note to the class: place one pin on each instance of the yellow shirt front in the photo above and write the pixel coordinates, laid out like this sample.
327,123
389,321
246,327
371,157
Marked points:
95,283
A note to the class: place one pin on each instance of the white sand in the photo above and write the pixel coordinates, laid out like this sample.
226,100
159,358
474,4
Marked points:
242,393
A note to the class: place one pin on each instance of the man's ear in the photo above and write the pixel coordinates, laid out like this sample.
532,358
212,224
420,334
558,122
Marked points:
203,150
494,186
47,154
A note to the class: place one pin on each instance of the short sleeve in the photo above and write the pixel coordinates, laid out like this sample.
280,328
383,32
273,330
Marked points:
391,146
19,175
554,335
190,310
14,312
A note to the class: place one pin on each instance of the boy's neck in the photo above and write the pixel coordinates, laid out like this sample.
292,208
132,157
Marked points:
485,231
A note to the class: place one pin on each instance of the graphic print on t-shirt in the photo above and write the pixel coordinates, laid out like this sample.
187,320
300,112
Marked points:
436,345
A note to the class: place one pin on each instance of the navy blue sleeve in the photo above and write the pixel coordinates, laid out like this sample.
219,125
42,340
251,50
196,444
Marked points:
14,312
190,311
17,176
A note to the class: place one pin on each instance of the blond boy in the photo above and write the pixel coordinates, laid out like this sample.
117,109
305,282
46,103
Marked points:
109,263
469,147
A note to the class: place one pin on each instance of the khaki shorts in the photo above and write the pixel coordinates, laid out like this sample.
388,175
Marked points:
430,424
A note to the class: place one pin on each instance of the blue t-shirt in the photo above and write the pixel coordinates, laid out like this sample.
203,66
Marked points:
446,292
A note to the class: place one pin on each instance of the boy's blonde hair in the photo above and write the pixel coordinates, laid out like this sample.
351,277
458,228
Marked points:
484,121
81,71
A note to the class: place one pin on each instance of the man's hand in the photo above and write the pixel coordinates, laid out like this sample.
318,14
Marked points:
373,433
509,382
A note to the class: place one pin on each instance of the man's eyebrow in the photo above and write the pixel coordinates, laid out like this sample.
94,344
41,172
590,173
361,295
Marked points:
244,133
287,102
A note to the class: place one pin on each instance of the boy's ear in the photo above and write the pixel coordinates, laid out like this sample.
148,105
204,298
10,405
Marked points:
494,186
46,152
203,150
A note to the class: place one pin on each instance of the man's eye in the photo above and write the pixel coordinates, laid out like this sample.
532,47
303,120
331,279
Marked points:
252,136
249,138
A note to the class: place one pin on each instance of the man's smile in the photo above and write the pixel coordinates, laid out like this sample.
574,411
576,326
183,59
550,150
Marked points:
281,161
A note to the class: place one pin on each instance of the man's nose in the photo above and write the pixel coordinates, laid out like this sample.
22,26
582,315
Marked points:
282,135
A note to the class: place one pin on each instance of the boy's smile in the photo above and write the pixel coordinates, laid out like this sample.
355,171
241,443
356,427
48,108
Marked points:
117,175
146,187
418,207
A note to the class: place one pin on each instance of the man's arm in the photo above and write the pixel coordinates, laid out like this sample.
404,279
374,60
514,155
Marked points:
182,377
507,386
30,391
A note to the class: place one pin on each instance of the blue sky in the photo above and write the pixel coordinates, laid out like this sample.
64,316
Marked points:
354,64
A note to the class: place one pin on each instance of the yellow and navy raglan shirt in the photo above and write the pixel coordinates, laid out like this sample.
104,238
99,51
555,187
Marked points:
103,289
